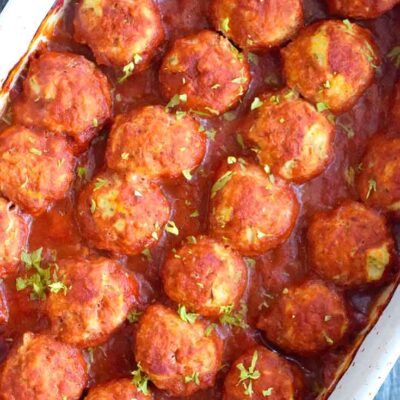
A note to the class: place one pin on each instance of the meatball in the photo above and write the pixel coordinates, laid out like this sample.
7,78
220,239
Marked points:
306,319
65,93
13,237
364,9
205,275
250,210
122,213
277,377
350,245
37,168
395,109
291,137
99,297
256,25
119,32
40,368
178,356
204,73
119,389
155,143
331,63
378,182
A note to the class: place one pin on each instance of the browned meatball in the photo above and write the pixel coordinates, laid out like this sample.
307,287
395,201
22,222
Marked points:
40,368
65,93
350,245
120,31
37,168
306,319
250,210
272,377
364,9
378,182
205,275
177,356
99,297
395,109
331,63
13,237
119,389
204,73
291,136
256,25
153,142
123,213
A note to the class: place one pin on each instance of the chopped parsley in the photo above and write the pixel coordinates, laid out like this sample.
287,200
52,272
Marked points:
187,174
371,187
257,103
82,172
225,25
348,25
394,56
43,280
99,184
35,151
176,100
211,133
140,380
129,68
253,58
193,378
221,182
267,392
228,317
185,316
210,329
321,106
133,316
171,227
247,375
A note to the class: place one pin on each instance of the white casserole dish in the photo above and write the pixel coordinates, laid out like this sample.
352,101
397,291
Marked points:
23,25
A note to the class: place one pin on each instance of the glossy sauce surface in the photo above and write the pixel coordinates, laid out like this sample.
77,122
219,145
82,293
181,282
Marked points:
57,229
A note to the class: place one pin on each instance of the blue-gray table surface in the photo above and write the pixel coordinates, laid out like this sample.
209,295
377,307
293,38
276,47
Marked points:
391,388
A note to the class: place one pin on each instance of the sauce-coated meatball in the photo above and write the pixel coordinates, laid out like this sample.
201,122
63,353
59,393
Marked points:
363,9
37,168
153,142
205,73
277,379
13,237
119,32
119,389
205,275
306,319
378,182
177,356
256,25
123,213
291,136
350,245
250,210
65,93
331,63
40,368
99,297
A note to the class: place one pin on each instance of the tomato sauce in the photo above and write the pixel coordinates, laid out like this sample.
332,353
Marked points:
57,230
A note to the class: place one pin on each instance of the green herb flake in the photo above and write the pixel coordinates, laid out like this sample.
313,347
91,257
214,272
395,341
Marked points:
371,188
210,328
394,56
176,100
221,182
187,174
170,227
140,380
321,106
257,103
225,25
250,262
267,392
193,378
247,375
211,133
133,316
95,123
185,316
231,318
180,115
253,58
82,172
348,25
35,151
125,156
99,184
93,206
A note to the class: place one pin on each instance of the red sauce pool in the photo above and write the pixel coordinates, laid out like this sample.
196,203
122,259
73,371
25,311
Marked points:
57,229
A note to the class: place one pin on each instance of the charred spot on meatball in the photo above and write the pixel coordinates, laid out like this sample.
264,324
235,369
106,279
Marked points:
65,93
205,275
260,373
40,368
256,25
178,356
331,63
120,32
350,245
306,319
378,182
251,209
37,168
291,136
122,213
118,389
153,142
13,237
97,301
363,9
204,73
